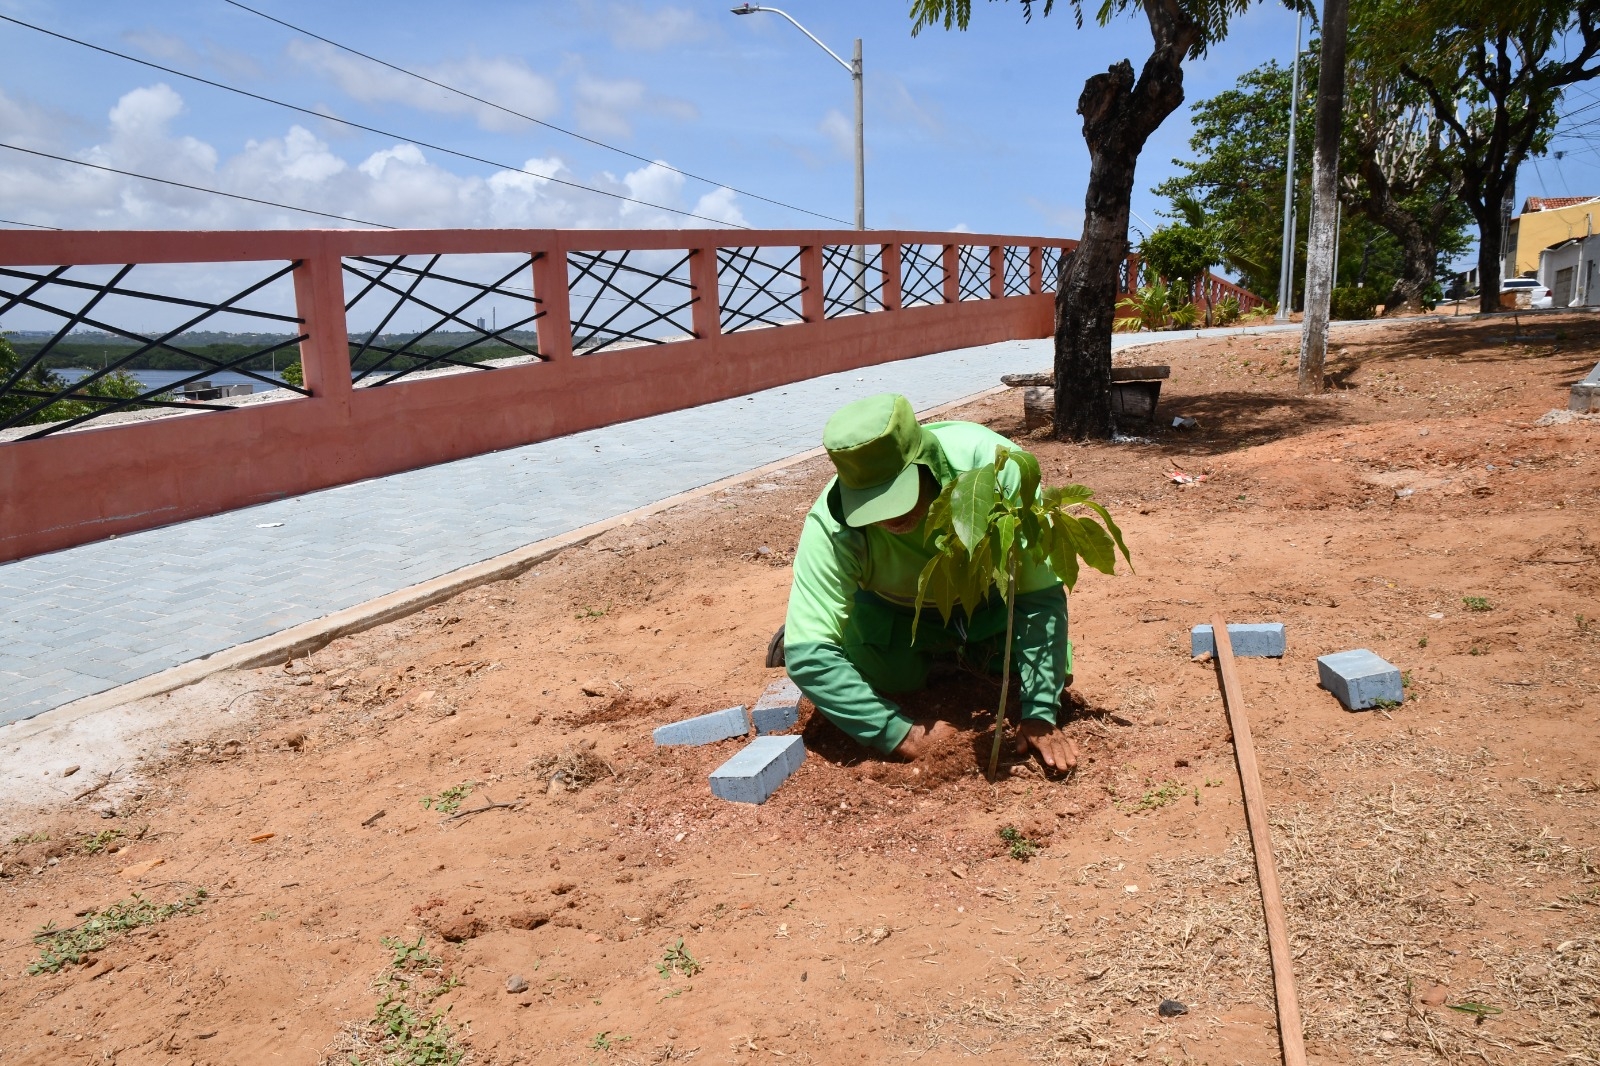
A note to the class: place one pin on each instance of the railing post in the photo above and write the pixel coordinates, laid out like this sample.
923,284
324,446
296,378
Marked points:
551,284
891,295
997,272
706,312
319,299
812,306
951,258
1035,270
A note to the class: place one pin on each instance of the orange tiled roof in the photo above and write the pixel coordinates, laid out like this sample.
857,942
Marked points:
1553,203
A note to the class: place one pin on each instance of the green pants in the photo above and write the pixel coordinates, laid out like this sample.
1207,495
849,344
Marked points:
878,642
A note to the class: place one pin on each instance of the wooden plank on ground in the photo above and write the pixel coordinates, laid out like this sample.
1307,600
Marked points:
1255,809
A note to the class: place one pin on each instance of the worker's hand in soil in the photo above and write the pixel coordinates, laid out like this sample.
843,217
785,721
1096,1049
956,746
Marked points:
1054,747
923,738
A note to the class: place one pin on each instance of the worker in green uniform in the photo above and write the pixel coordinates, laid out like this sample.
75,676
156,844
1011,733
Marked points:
847,637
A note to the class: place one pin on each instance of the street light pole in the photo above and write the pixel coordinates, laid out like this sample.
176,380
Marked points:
854,67
1286,268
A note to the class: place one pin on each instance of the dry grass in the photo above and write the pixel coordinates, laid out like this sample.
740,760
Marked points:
576,768
1387,886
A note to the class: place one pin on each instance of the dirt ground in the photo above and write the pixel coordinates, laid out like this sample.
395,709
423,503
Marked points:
1438,857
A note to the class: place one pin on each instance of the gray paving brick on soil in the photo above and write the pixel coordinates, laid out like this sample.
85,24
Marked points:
167,596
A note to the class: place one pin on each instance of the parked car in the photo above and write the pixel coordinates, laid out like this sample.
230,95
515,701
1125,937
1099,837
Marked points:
1538,295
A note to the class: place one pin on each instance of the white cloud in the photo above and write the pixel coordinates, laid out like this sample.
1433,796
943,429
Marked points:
603,105
507,82
651,31
397,184
178,52
840,131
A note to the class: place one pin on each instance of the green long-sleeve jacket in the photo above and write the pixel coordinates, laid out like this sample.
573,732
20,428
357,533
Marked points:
835,562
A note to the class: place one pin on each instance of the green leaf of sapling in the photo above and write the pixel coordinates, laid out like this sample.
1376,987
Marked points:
970,504
1116,534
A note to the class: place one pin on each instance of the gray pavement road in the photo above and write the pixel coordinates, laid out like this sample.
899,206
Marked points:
87,619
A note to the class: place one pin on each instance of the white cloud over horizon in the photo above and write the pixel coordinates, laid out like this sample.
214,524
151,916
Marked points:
397,185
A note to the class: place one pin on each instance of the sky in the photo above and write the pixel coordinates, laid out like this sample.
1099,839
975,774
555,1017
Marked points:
969,131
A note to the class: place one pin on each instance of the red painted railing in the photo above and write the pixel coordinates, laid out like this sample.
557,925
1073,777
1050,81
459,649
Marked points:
710,320
628,324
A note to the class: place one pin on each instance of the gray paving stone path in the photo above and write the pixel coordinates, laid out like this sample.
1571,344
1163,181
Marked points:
87,619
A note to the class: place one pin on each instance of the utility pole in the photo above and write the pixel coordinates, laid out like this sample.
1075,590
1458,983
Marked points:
854,67
1320,247
1286,266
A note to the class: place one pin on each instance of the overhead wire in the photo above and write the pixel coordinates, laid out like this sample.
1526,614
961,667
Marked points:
186,185
526,117
325,117
30,225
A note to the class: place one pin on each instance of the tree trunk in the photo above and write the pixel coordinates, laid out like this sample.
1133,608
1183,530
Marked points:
1324,195
1490,247
1118,116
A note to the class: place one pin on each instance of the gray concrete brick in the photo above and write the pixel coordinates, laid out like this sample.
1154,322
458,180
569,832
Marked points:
1360,679
1263,639
777,709
704,728
755,773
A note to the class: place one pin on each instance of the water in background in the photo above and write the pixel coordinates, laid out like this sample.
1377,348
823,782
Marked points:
161,379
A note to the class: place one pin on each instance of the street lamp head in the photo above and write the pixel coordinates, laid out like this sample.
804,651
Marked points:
745,9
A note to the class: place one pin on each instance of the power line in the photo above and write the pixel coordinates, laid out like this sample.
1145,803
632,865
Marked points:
360,126
183,185
30,225
528,118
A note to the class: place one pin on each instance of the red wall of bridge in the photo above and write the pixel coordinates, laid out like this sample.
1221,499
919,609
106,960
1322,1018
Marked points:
73,487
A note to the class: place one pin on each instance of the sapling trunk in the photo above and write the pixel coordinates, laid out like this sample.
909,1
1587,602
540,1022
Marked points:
1005,667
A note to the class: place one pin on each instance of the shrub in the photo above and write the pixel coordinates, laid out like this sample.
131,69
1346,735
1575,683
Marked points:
1185,317
1226,312
1350,302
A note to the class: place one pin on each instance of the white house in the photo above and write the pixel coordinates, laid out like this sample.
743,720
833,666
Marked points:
1570,272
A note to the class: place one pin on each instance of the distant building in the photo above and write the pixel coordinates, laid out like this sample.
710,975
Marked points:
1546,221
1568,270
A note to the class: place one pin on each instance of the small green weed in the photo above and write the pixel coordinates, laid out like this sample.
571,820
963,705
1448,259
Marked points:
1422,642
1477,603
591,612
1584,624
1020,847
448,800
1479,1011
267,916
1474,650
1382,704
98,842
1163,794
40,838
403,1027
60,947
676,959
606,1042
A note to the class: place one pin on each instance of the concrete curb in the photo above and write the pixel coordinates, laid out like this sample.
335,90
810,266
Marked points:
309,636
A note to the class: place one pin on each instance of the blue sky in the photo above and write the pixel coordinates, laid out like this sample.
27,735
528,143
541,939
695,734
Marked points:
971,130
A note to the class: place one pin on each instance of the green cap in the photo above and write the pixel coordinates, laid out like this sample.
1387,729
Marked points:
875,444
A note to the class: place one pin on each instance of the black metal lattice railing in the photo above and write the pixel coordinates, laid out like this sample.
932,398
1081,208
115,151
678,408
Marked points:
33,393
852,279
973,272
759,286
1015,266
449,335
615,302
921,274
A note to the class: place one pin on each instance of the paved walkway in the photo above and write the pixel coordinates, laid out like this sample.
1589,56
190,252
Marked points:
87,619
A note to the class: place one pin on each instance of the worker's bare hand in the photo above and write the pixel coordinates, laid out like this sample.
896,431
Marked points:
923,738
1054,747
